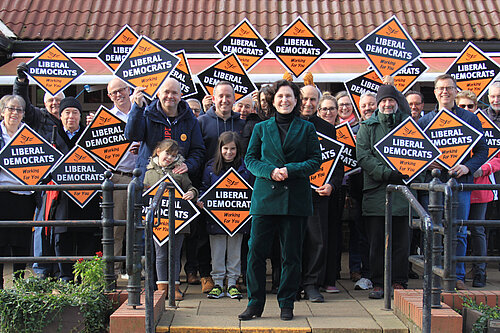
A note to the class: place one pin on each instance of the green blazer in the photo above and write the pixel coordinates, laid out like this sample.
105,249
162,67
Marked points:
300,154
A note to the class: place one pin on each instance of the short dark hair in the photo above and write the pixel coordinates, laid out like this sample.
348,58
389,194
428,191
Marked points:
296,92
445,77
224,83
414,92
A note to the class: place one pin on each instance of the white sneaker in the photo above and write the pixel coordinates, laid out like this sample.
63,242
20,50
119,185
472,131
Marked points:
363,284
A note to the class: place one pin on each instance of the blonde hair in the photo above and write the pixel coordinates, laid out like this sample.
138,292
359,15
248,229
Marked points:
466,94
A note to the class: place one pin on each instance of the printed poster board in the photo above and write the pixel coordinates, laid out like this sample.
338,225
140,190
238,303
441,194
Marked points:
330,155
348,154
116,50
104,137
79,167
228,201
298,47
53,70
453,136
28,157
244,41
185,210
389,48
407,149
147,65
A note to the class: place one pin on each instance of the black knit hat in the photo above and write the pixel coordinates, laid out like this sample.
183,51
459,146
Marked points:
70,102
385,91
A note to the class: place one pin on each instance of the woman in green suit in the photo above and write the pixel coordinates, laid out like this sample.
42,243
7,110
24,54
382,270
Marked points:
282,153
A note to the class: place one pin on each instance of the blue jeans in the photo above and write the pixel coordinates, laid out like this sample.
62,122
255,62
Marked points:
478,236
462,214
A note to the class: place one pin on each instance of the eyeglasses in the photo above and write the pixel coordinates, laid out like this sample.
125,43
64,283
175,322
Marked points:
118,91
13,109
466,106
450,88
345,105
326,110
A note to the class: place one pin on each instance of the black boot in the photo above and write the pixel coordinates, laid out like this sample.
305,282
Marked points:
251,312
286,314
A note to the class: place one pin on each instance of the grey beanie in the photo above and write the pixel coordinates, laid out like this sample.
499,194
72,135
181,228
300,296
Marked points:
385,91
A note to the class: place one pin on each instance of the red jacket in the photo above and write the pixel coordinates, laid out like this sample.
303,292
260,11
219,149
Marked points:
488,168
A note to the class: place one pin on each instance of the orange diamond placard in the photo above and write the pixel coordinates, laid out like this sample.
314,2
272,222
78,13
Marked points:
113,53
227,69
182,73
298,47
407,149
348,153
228,201
389,48
454,137
330,155
53,70
104,137
185,211
473,70
79,167
244,41
28,157
147,65
491,134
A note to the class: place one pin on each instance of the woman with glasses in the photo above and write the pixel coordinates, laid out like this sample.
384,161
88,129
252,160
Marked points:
15,205
346,109
328,109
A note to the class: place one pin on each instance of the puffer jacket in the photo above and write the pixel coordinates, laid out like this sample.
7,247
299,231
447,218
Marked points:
488,168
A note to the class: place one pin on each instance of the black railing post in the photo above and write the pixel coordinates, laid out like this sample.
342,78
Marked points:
134,239
450,235
108,240
436,211
388,249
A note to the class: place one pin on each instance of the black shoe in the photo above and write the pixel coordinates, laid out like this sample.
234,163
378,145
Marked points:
479,281
251,312
313,294
286,314
412,275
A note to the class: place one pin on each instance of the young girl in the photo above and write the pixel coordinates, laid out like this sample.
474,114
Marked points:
166,158
228,155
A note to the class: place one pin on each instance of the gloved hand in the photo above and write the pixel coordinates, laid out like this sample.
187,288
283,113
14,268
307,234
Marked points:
22,68
397,177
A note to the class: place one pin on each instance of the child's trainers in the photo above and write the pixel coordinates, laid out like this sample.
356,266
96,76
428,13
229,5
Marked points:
216,292
233,292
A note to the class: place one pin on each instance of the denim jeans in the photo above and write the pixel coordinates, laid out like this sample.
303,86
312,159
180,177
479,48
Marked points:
478,236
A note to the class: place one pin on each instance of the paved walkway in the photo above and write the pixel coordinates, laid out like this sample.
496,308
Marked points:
348,311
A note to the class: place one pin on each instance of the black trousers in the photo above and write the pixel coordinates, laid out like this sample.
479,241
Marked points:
316,244
400,248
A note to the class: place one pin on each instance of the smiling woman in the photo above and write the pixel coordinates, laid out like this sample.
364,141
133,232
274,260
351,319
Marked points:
18,205
282,153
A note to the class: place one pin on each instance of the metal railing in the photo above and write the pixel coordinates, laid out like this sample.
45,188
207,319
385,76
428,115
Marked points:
152,210
440,227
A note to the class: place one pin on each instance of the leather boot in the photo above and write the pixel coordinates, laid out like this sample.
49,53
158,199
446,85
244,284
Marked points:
163,285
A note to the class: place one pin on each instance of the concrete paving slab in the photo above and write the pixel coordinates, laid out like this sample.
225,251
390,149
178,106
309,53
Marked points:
391,324
275,324
344,324
348,308
193,323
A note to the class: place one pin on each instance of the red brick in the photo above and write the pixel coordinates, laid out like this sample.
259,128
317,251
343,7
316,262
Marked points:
129,320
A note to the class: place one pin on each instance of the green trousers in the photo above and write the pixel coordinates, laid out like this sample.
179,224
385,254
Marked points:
291,234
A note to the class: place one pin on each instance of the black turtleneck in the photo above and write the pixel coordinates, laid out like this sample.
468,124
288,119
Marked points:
283,121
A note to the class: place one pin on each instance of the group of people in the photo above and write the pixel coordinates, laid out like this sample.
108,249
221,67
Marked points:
271,139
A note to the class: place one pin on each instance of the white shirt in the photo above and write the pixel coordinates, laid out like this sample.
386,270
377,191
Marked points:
127,163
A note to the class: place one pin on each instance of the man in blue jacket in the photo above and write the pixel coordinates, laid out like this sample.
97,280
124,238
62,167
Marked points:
445,90
220,117
167,117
